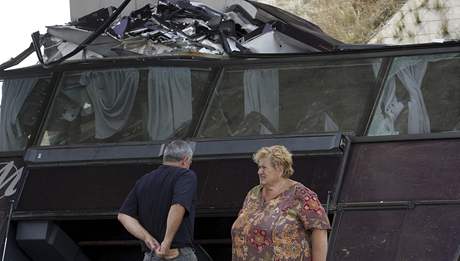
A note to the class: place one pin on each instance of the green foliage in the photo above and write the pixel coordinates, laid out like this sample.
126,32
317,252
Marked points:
444,28
438,5
424,3
417,17
400,25
410,35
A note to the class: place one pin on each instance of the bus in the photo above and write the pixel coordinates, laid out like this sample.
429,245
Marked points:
374,132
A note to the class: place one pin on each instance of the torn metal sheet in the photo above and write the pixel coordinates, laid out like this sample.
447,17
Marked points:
55,48
244,6
95,19
174,27
276,42
119,29
241,21
141,45
299,28
102,45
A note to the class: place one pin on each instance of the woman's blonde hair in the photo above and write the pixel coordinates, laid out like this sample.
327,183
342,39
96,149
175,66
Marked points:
278,155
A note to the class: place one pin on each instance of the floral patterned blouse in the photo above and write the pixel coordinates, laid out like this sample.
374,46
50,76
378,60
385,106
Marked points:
278,229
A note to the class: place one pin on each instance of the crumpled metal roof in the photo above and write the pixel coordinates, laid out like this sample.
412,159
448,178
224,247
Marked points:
182,27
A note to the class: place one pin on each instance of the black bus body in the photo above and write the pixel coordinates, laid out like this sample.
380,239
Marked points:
376,133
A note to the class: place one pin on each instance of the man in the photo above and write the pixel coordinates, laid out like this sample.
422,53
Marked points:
161,207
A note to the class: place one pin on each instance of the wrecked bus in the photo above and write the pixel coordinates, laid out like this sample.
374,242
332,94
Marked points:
374,131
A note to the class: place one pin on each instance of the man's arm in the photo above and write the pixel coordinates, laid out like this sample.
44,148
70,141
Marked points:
319,244
136,229
175,216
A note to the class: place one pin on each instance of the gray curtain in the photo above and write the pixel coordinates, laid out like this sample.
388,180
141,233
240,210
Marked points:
112,94
170,101
14,94
261,95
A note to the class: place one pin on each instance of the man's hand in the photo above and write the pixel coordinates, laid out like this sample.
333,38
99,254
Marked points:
163,249
136,229
165,252
175,215
151,243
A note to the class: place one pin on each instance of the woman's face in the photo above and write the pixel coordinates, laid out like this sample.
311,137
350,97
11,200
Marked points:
268,174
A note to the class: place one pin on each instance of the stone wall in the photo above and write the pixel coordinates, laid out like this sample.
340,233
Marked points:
422,21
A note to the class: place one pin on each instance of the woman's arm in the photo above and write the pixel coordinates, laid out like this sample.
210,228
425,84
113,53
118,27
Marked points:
319,244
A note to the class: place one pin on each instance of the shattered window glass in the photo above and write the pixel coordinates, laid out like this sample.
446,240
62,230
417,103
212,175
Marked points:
415,101
21,107
125,105
296,99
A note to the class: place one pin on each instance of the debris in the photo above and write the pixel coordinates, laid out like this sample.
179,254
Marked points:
172,27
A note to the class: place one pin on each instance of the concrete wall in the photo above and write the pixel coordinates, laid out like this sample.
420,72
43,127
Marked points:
422,21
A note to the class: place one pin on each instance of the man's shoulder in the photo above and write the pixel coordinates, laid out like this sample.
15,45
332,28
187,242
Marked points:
187,174
176,170
174,174
148,175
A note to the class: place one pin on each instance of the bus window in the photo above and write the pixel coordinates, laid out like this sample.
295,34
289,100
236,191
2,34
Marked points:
21,106
125,105
420,96
296,99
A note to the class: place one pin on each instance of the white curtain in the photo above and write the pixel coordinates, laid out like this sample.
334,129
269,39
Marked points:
261,94
14,94
112,94
170,101
412,77
410,71
387,112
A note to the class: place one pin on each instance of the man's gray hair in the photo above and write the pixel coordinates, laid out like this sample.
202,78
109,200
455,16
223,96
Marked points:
177,150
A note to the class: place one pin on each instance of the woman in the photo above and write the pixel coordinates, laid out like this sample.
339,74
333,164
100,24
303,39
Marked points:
281,219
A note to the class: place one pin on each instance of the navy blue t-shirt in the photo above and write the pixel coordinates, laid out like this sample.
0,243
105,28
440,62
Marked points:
152,196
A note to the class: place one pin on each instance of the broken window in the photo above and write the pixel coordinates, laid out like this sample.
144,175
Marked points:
415,101
314,97
125,105
21,106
